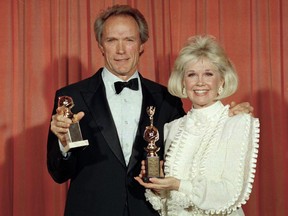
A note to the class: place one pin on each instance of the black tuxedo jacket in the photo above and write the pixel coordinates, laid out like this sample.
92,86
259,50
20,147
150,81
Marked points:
101,183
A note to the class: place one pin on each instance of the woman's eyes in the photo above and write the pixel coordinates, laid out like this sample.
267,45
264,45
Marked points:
193,74
208,74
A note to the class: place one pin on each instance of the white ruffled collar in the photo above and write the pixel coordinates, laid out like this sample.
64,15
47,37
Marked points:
197,120
208,112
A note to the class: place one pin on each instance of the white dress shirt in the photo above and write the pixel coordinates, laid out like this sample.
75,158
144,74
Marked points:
125,108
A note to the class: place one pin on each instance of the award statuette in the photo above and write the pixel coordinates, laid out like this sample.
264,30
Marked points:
74,135
151,135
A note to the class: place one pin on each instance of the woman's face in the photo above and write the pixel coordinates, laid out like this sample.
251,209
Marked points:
202,81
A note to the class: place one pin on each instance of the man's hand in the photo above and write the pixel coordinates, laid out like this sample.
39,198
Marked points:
244,107
60,124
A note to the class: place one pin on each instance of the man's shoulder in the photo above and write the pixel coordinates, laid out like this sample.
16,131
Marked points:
153,84
157,89
77,84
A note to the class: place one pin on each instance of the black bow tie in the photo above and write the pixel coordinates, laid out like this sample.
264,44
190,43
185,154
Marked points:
132,84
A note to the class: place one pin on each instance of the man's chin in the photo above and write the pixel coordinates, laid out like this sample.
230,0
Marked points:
123,74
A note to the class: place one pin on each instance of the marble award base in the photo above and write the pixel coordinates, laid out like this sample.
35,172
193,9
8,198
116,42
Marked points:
74,138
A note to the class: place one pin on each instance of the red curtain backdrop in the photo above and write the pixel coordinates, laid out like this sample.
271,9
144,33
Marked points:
47,44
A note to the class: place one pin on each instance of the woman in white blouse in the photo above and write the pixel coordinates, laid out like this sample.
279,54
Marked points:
210,157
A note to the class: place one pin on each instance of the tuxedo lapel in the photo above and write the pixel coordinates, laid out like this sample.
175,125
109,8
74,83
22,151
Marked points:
97,103
139,143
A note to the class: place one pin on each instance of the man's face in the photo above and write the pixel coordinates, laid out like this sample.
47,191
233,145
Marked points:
121,45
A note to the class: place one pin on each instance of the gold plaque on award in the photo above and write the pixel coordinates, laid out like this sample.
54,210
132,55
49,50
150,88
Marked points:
151,135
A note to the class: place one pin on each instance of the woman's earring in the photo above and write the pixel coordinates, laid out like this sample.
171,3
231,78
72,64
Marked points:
220,90
184,91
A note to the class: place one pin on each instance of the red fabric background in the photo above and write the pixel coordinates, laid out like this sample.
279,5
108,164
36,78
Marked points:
46,44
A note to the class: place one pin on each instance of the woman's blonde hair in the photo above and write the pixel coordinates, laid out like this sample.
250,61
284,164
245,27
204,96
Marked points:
198,47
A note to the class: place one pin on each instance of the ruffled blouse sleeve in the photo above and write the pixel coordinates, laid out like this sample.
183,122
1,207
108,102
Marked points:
157,201
227,169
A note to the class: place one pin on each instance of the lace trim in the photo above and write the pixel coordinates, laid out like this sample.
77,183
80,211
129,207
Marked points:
176,150
180,200
244,194
156,201
182,138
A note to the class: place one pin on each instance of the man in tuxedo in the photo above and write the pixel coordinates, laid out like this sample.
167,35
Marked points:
112,117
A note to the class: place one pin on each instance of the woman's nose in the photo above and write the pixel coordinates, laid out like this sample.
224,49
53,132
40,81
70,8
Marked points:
200,81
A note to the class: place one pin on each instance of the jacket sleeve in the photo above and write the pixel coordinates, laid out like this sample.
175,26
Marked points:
60,168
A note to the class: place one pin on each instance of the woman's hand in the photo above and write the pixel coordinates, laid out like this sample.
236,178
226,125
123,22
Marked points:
160,184
168,183
157,184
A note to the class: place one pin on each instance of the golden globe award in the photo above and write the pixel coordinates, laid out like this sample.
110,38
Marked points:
151,135
74,135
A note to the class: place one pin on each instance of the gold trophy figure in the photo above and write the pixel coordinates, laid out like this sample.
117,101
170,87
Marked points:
74,135
151,135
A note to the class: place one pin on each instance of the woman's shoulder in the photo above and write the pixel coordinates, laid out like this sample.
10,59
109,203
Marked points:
174,123
170,129
240,125
241,119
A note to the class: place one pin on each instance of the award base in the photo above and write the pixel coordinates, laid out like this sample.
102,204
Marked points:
152,168
74,138
71,145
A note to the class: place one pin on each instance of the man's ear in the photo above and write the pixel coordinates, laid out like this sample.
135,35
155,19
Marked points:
141,50
101,48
